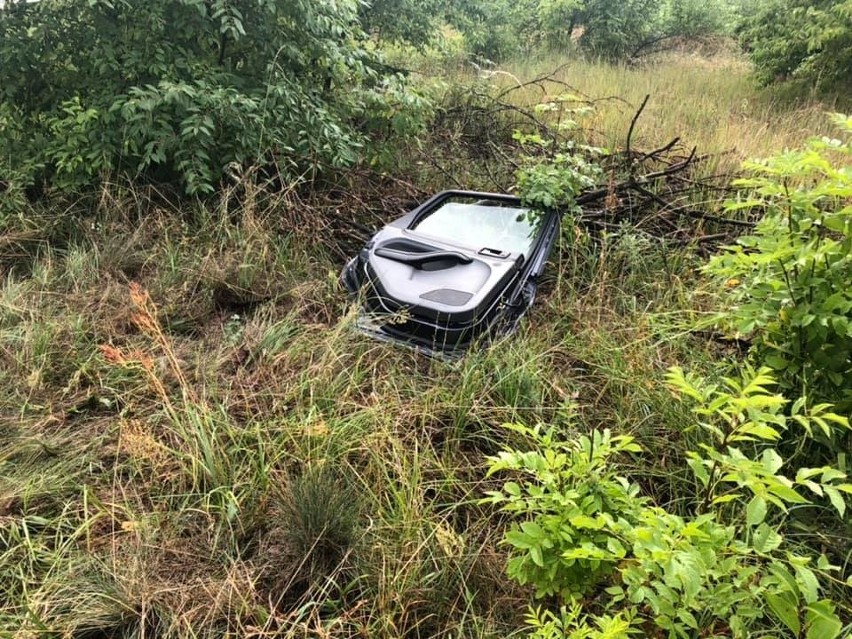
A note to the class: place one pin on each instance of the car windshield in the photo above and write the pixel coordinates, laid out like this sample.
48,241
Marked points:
482,224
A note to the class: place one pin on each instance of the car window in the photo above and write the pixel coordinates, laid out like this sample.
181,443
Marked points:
482,224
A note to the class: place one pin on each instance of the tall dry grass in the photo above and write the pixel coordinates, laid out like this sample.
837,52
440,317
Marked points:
709,102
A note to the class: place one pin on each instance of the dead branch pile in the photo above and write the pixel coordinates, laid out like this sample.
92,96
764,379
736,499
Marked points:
664,193
669,193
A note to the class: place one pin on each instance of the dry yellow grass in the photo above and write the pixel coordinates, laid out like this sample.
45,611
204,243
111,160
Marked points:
711,102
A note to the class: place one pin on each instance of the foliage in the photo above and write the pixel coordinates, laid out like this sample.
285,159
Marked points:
120,519
185,91
626,30
738,472
602,28
486,25
558,181
555,170
787,285
489,27
571,501
724,570
411,21
738,412
613,30
497,30
693,18
547,23
571,623
801,39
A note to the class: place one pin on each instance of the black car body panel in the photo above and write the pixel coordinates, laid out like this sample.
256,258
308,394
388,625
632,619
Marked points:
460,267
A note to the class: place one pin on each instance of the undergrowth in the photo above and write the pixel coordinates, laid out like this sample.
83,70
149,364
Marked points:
195,443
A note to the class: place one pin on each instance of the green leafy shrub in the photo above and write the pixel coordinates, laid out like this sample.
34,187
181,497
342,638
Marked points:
555,170
613,30
802,40
186,91
573,502
610,30
571,623
410,21
787,285
558,180
724,569
489,27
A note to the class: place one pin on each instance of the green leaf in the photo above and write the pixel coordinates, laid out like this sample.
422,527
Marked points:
787,494
808,583
783,576
615,547
821,622
536,556
512,489
785,607
586,522
678,381
761,431
756,510
532,529
688,618
771,460
519,540
724,499
836,499
776,362
765,539
696,464
830,474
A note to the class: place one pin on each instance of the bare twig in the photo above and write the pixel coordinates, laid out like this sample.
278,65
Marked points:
632,125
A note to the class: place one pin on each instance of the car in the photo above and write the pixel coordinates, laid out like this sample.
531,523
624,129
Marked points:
460,268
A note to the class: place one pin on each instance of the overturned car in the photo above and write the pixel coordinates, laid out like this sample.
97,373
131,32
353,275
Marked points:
460,267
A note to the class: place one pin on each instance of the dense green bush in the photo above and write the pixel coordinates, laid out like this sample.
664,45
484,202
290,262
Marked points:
184,91
801,39
496,30
553,170
788,284
583,532
414,22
